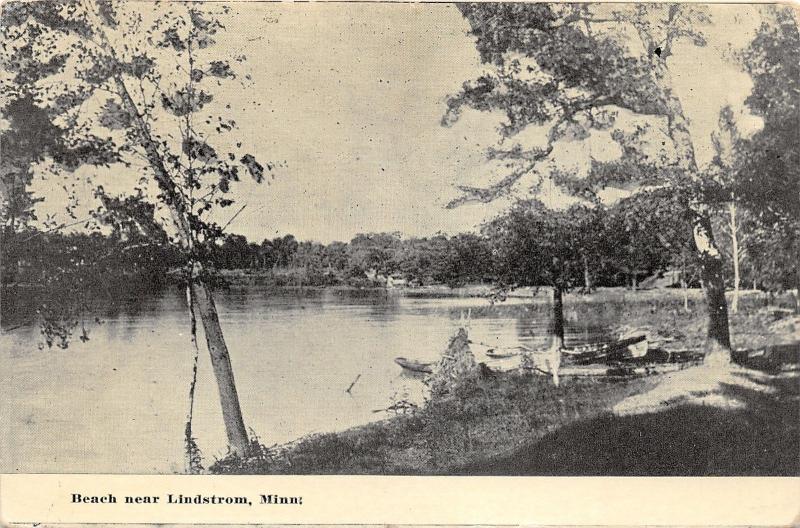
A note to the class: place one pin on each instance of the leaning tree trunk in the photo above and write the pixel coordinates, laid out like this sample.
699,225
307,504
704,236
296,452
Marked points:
223,371
220,359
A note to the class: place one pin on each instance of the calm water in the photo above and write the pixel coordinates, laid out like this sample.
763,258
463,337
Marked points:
117,403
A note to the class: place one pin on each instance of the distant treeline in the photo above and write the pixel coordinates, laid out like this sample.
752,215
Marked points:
581,247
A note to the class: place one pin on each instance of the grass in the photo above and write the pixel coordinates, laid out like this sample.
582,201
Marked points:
486,416
762,438
734,423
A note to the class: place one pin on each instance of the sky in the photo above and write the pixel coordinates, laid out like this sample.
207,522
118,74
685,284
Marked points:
350,97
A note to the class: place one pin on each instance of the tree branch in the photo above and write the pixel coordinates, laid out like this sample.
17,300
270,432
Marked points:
487,194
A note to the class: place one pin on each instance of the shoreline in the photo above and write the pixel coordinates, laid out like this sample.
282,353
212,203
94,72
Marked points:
511,423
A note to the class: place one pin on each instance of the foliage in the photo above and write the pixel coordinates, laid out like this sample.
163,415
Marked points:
108,86
650,231
535,246
769,179
568,68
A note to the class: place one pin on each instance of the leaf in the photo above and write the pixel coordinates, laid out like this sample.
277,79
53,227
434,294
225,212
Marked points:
199,22
171,38
200,151
185,101
204,41
113,116
224,184
220,69
139,66
255,168
69,99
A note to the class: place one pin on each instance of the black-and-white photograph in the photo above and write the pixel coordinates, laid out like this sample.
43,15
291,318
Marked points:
399,238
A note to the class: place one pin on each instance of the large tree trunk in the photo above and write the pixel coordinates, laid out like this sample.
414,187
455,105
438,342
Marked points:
712,272
223,371
797,287
711,261
557,323
734,257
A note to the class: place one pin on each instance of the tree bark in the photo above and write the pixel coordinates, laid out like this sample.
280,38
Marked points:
712,277
557,324
712,272
735,256
223,371
220,360
685,289
684,285
797,287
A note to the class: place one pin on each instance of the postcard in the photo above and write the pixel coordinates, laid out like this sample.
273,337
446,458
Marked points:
353,248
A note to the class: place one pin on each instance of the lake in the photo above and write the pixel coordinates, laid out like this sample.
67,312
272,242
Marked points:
117,402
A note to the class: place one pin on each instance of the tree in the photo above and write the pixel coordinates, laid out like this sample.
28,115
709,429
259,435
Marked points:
284,248
768,181
126,91
568,69
589,227
646,233
729,148
28,139
375,251
537,246
468,259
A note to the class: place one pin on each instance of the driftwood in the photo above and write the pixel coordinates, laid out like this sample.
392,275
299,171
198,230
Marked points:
350,388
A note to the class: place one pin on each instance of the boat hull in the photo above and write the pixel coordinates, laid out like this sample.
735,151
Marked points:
414,366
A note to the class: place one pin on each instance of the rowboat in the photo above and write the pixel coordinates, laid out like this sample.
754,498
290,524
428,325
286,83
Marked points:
414,365
605,351
615,371
501,354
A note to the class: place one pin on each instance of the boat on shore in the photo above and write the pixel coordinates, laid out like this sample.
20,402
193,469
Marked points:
501,353
415,365
593,353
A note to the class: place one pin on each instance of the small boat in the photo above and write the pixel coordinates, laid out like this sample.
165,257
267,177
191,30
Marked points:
414,365
606,351
501,353
616,371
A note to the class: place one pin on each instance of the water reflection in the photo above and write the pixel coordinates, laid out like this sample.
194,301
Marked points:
117,402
